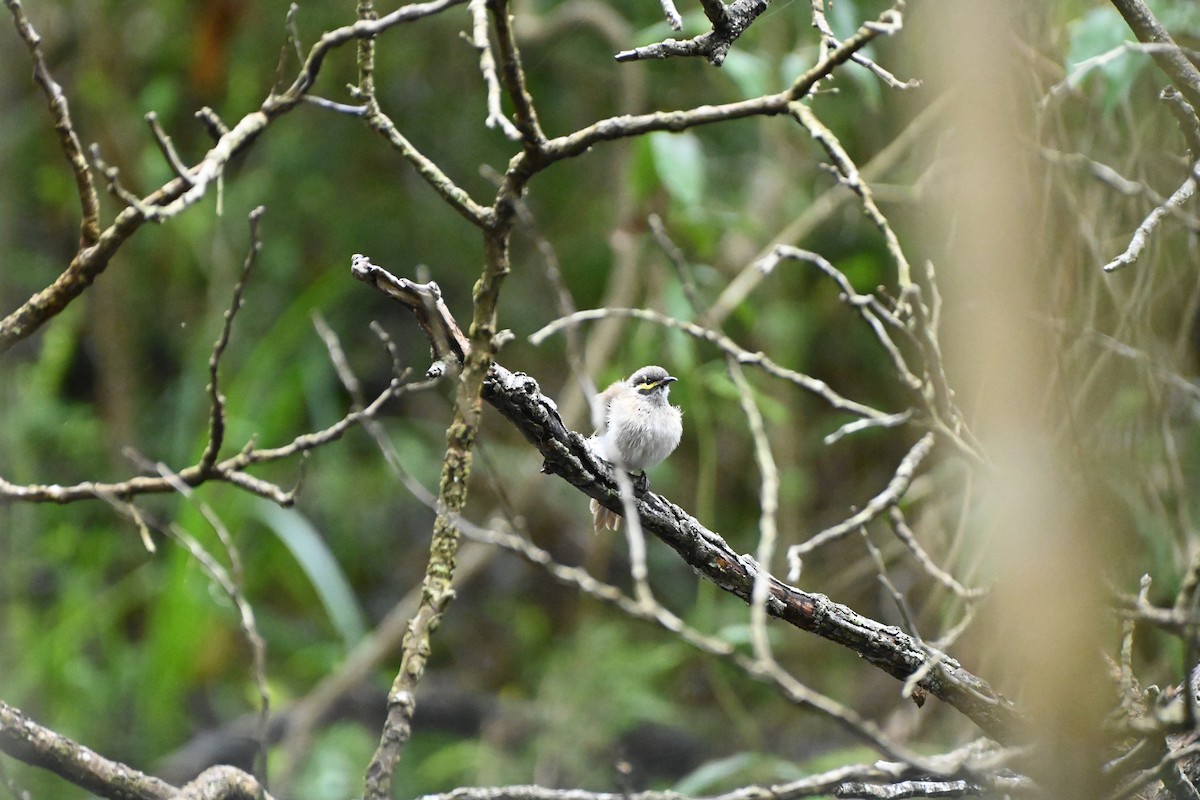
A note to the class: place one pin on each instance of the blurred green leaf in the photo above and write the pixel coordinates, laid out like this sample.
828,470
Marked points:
1098,32
333,770
749,71
680,164
738,769
318,563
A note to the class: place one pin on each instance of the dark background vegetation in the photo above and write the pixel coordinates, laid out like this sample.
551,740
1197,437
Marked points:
135,654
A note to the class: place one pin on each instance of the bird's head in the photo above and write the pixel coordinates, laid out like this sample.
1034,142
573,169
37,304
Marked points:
651,380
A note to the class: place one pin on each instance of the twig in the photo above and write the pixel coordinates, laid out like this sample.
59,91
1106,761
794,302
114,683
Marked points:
909,619
768,528
868,306
672,14
762,670
937,393
292,38
891,495
1172,61
337,108
60,112
112,176
230,470
454,195
566,453
231,582
889,421
738,289
216,422
729,24
167,147
487,66
830,42
850,176
723,343
1185,115
905,535
512,75
38,746
1140,238
446,339
628,126
679,261
212,123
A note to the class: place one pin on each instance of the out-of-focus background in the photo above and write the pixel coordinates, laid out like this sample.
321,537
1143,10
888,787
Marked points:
135,653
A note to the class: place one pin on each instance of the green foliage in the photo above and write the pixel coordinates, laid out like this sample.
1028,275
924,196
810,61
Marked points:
134,652
314,558
334,768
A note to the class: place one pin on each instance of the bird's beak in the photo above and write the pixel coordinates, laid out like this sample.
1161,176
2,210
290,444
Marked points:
668,379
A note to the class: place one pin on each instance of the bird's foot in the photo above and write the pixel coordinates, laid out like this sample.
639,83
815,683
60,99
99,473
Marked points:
641,484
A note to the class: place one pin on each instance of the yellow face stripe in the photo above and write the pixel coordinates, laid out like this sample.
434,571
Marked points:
646,386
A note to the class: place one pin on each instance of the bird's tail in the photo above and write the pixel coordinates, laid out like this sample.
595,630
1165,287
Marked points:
603,518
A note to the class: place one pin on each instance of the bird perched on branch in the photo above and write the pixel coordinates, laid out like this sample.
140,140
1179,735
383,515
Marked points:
637,428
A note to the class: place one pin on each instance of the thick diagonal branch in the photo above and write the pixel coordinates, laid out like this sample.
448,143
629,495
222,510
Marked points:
518,398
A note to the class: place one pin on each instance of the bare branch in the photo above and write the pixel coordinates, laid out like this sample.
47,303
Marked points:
167,147
216,424
881,502
230,470
1173,62
729,23
519,399
627,126
27,741
179,194
822,208
765,670
1185,115
830,42
212,123
851,177
905,535
85,187
457,197
232,583
722,342
768,526
487,66
1141,236
512,74
425,301
672,14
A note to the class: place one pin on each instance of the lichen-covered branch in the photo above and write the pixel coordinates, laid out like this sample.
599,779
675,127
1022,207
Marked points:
436,589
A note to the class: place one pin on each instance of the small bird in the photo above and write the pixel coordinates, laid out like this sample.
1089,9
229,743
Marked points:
637,430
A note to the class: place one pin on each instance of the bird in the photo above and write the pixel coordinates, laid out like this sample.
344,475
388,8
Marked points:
637,428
